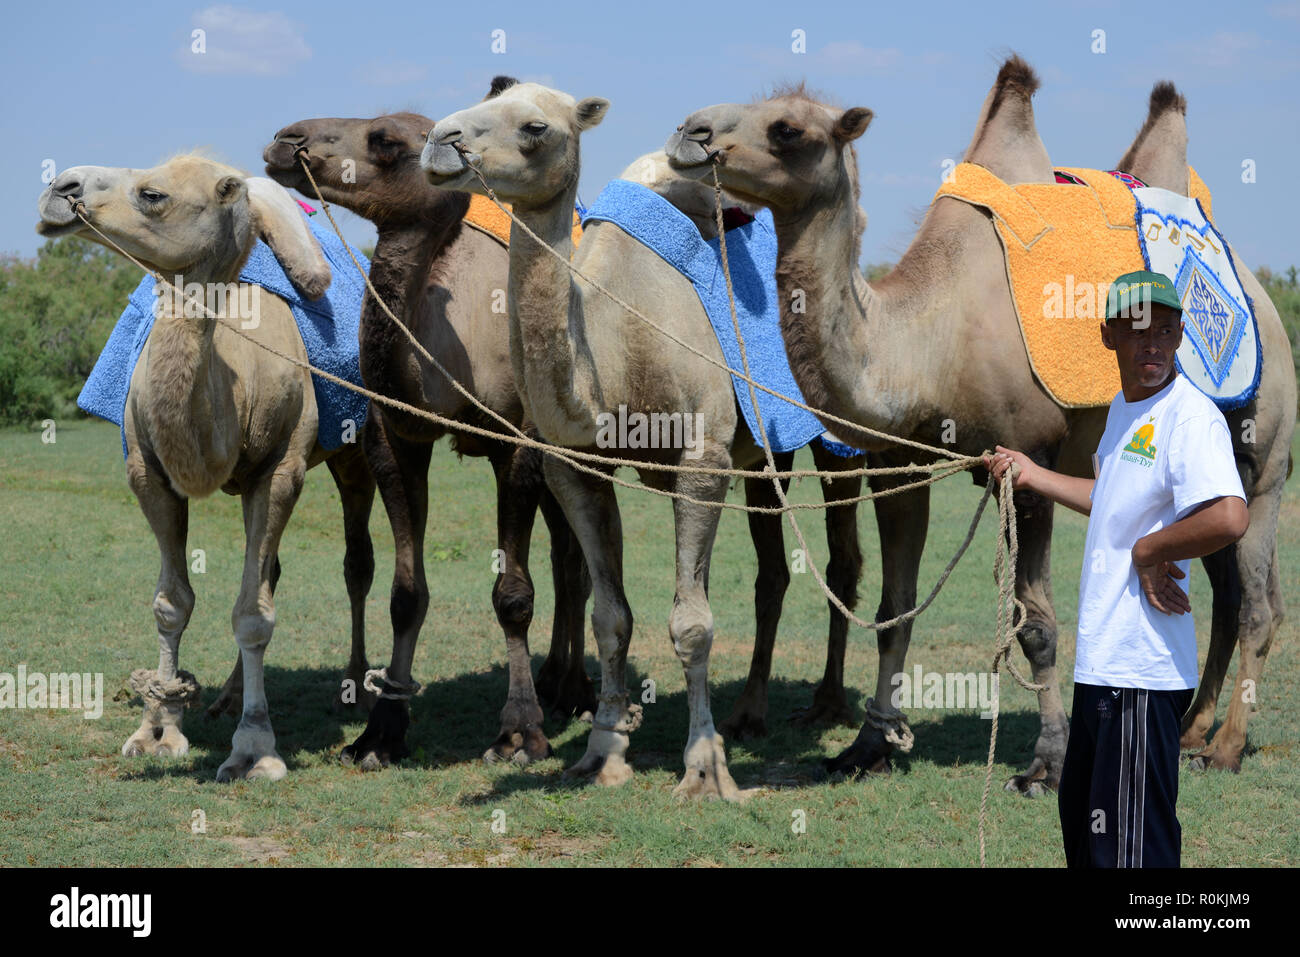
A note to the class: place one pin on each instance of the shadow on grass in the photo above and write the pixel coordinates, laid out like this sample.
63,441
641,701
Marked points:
455,719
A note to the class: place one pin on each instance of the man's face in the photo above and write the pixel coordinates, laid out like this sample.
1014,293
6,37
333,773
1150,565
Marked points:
1145,352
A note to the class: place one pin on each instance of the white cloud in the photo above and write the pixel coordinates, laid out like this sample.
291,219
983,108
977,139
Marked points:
1224,49
242,41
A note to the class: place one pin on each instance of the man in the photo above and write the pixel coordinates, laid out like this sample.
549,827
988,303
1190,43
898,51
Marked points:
1166,490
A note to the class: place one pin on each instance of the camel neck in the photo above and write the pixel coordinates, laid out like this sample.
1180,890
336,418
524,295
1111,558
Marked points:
399,268
831,319
546,315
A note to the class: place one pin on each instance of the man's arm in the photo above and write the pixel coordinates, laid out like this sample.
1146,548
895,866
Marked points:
1075,493
1207,528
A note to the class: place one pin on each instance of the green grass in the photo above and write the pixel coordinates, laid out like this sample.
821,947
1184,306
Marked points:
81,565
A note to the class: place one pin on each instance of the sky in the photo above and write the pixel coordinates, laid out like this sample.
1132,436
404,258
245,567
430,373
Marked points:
119,85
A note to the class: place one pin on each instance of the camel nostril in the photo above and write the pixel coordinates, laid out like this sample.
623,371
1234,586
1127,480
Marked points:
72,188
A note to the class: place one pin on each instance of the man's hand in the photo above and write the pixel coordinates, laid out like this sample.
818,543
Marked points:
1003,459
1158,585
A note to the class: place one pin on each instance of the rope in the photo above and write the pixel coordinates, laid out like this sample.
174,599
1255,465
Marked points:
893,723
372,683
590,456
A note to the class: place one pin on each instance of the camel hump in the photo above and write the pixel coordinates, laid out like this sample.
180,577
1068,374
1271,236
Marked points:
1016,78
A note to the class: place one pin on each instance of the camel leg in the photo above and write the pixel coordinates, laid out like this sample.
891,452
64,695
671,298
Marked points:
748,718
903,520
830,705
1257,621
231,699
173,603
266,513
401,470
1037,637
1221,570
691,629
519,482
563,680
592,511
357,492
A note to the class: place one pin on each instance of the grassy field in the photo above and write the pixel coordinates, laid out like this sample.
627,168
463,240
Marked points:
80,567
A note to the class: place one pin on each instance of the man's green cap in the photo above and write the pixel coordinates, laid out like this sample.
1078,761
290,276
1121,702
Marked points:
1132,294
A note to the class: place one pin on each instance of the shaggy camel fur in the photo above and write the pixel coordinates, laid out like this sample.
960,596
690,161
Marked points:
854,354
209,410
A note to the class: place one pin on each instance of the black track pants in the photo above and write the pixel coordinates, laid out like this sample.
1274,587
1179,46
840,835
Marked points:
1119,783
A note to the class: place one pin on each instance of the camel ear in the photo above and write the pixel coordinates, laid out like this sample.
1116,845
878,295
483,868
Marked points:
591,111
281,224
852,124
229,190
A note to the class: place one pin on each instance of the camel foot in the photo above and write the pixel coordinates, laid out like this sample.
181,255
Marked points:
252,767
522,746
1216,759
745,723
158,740
574,697
868,754
384,740
1035,781
823,712
604,762
706,774
252,757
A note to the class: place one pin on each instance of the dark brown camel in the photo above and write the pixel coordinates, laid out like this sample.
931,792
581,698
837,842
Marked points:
440,278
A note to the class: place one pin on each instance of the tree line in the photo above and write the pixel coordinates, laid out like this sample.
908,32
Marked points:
57,309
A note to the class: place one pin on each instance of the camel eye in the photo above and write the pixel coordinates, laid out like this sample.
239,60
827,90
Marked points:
152,196
535,128
785,133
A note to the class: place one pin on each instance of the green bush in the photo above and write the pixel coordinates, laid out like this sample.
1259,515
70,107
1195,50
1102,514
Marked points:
56,312
1285,293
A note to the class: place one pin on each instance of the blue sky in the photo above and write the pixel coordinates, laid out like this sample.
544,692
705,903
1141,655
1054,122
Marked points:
116,85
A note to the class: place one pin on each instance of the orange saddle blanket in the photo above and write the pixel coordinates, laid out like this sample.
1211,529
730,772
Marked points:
1064,245
485,216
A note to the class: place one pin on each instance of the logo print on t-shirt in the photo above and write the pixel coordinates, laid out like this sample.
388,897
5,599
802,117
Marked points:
1140,445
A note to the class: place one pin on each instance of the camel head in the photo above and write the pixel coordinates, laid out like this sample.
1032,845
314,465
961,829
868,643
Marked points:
692,197
785,152
190,216
523,140
369,166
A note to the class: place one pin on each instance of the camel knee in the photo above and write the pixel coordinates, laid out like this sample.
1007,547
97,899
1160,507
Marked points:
512,599
359,567
843,572
691,630
611,620
407,605
253,628
172,608
1038,642
771,583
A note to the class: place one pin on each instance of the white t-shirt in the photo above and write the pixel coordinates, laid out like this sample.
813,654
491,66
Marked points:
1160,458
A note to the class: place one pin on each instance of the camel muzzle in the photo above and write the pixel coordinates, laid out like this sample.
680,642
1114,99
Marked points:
442,160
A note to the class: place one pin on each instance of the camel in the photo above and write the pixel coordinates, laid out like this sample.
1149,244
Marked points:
443,281
1248,606
208,410
854,355
576,355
